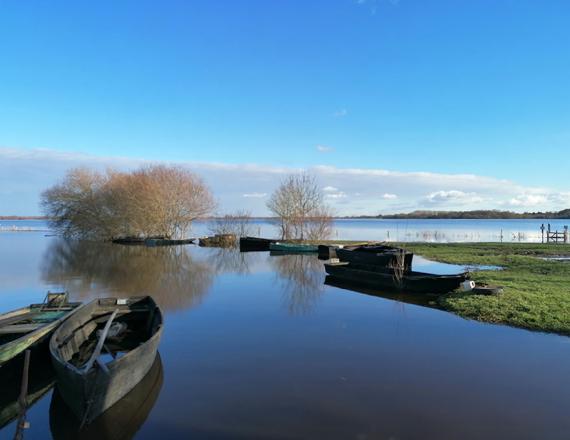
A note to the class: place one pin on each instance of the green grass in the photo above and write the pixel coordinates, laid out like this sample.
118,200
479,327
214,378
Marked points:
536,292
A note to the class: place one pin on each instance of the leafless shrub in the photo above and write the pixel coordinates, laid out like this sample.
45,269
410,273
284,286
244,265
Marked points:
299,204
238,224
156,200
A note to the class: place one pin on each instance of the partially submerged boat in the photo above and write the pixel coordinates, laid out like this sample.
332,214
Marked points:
254,244
377,255
293,248
168,241
103,351
23,328
389,279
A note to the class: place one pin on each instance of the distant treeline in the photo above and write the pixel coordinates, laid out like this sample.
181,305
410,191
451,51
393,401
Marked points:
479,214
22,217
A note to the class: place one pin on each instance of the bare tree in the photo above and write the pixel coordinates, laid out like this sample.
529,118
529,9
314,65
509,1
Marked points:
152,201
299,204
238,224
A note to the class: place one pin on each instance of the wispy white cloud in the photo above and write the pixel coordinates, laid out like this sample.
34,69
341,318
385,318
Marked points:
454,197
24,173
324,148
254,195
336,195
340,113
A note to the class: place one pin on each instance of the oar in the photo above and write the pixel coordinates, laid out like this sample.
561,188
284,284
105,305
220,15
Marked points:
99,345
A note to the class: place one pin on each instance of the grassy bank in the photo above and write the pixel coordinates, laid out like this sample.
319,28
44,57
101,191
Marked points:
536,294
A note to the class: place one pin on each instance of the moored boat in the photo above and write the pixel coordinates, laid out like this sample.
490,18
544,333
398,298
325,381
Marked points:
389,279
23,328
253,244
167,241
377,255
103,351
121,422
293,247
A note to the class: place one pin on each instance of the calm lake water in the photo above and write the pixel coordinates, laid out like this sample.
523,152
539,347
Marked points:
385,230
260,347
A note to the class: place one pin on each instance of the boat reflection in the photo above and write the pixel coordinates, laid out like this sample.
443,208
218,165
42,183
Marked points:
41,379
120,422
410,298
301,277
172,275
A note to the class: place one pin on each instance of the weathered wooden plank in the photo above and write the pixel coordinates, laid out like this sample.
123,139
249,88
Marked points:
19,328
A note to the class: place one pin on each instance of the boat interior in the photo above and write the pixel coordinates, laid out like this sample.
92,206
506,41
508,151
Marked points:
124,325
20,322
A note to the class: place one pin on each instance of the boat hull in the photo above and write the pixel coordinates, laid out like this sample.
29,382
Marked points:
383,258
88,394
13,348
412,282
254,244
293,248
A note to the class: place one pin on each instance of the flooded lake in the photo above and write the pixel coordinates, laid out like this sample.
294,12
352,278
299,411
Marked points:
261,347
443,231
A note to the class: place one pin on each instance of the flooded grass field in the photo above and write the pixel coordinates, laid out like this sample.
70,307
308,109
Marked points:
256,346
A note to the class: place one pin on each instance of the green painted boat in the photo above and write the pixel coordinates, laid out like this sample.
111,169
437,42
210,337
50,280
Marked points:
23,328
293,247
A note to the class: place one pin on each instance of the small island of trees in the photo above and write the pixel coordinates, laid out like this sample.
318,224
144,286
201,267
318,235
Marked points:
153,201
163,201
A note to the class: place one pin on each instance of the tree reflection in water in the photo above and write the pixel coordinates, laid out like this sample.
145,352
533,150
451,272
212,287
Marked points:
88,269
302,281
226,260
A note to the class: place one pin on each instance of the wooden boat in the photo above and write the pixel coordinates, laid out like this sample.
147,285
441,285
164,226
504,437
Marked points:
293,247
387,279
377,255
254,244
121,422
167,241
327,251
103,351
129,240
25,327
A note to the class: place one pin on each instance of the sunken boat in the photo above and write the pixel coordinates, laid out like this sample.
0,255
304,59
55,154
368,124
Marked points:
254,244
28,326
395,280
376,255
103,351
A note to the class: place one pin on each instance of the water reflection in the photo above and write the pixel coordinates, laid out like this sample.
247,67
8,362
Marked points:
41,379
120,422
301,279
409,298
223,260
170,274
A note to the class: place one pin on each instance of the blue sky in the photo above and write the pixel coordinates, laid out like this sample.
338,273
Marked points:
350,88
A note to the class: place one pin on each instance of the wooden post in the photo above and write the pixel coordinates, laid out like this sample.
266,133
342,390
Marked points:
542,232
566,234
22,400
